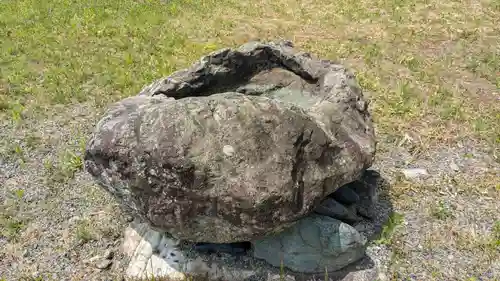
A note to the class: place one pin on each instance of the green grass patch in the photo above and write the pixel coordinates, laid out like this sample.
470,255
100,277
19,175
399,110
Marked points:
12,218
84,232
442,211
496,235
67,165
395,219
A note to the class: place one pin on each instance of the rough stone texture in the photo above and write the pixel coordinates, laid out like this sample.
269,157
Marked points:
312,245
241,145
153,253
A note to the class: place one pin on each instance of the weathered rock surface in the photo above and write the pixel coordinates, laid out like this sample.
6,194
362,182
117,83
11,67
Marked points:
153,253
315,244
241,145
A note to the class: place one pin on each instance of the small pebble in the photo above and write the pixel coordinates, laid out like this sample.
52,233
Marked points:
74,219
129,218
414,173
92,259
26,253
104,264
454,167
228,150
109,254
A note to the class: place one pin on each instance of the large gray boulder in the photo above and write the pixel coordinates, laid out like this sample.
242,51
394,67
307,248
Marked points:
240,145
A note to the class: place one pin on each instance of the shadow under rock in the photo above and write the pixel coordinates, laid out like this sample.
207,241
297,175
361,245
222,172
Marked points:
375,205
153,253
373,209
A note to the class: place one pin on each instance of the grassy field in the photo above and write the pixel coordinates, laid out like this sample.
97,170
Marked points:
430,68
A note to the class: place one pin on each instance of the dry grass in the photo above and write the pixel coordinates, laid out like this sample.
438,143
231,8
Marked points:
431,69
